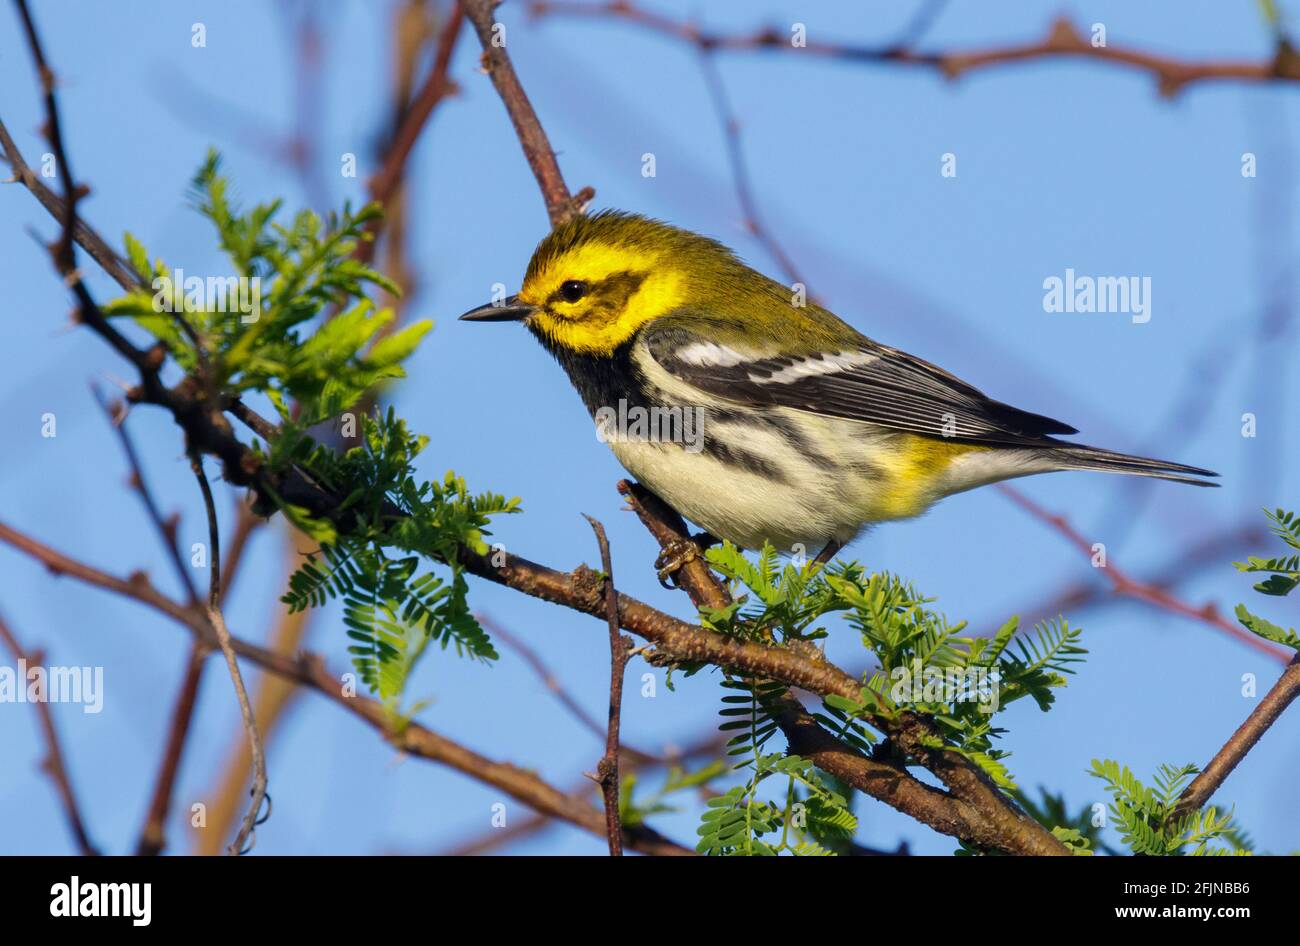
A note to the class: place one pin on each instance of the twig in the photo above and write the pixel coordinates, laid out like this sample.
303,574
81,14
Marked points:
166,528
246,523
153,836
560,206
1126,586
1062,40
273,697
86,238
71,193
1212,550
740,171
437,86
607,768
218,622
53,764
1278,698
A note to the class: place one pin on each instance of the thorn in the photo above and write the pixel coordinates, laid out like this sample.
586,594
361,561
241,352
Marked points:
1063,34
155,356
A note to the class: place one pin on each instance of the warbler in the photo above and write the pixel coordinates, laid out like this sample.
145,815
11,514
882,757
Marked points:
810,430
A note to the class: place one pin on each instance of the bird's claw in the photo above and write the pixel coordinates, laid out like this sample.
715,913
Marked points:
675,556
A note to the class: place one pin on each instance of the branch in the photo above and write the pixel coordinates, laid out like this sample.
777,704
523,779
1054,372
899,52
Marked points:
607,768
1077,596
1063,40
560,206
217,620
53,764
309,670
1282,695
888,781
740,172
437,86
165,527
86,238
153,836
1126,586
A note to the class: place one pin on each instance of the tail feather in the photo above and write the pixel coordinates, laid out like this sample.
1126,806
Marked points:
1083,457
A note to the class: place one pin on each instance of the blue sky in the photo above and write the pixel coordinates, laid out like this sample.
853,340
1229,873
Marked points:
1061,164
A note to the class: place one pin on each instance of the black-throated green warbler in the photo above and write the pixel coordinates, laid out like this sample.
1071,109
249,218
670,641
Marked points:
809,431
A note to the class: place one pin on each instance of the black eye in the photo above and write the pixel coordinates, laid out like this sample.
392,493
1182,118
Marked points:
571,290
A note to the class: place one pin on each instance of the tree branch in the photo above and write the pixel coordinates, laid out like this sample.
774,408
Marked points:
1203,787
1126,586
1063,40
217,620
86,238
53,764
153,836
560,206
437,86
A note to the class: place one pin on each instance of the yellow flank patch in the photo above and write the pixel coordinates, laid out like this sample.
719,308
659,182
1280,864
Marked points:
912,474
596,325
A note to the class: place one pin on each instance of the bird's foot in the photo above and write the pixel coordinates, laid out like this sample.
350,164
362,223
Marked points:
679,553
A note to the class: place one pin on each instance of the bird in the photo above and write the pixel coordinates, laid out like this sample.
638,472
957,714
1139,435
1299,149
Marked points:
803,432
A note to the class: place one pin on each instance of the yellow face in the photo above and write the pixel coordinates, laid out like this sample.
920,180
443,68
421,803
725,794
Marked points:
593,297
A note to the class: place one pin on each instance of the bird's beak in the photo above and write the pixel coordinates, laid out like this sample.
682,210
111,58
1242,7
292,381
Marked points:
508,310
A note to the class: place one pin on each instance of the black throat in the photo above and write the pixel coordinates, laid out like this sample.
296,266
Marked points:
602,380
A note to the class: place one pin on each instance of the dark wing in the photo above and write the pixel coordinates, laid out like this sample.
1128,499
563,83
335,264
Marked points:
868,382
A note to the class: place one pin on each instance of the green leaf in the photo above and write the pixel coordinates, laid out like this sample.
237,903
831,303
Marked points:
397,347
1267,629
